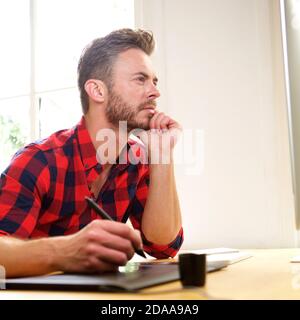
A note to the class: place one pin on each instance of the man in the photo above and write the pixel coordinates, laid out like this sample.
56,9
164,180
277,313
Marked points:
45,222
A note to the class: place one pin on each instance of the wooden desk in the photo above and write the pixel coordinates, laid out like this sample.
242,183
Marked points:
267,275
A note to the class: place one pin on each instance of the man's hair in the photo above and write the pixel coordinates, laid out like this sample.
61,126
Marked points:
97,59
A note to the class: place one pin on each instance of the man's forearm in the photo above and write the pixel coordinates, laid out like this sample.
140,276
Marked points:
100,246
162,217
26,257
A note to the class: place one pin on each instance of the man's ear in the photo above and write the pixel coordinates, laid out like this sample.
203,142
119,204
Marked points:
96,90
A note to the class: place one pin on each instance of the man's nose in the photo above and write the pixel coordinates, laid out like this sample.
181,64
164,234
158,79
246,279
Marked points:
153,92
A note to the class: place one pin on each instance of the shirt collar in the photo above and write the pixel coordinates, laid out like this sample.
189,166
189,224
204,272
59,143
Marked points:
87,149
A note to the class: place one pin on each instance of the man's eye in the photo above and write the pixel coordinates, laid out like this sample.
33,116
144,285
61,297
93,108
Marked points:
141,79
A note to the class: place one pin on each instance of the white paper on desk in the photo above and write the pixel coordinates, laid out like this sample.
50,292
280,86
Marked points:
211,251
214,254
138,258
229,257
221,254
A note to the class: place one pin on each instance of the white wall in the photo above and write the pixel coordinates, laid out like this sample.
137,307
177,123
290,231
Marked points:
221,71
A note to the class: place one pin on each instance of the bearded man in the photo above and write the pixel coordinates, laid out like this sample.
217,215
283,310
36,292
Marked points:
45,223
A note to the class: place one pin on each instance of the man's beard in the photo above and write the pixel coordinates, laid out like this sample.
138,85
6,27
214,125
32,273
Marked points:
118,110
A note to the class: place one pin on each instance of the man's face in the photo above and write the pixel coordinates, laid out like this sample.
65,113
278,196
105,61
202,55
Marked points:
134,91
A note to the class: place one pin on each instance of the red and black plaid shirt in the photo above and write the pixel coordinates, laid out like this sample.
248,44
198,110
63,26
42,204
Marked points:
42,192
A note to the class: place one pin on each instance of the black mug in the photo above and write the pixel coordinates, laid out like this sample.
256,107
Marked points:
192,269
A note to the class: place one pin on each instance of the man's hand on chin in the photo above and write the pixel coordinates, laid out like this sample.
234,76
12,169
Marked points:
161,138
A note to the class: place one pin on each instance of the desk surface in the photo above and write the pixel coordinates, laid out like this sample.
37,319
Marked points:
267,275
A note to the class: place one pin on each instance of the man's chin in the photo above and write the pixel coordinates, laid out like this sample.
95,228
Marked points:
138,125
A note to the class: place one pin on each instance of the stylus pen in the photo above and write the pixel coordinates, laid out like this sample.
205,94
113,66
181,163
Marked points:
106,216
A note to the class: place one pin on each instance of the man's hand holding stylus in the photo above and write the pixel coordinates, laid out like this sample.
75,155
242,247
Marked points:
99,247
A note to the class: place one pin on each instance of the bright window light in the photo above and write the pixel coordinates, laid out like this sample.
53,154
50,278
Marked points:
61,29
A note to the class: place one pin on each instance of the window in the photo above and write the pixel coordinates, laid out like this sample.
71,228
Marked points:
41,44
14,77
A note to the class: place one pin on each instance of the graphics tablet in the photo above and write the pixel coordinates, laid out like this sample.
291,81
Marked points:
134,276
